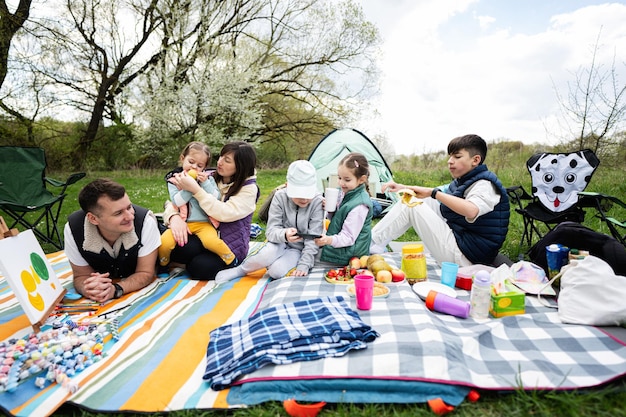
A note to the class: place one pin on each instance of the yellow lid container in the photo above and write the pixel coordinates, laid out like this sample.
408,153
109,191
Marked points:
414,248
414,263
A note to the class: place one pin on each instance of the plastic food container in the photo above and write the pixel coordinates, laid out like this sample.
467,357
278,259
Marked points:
463,281
414,263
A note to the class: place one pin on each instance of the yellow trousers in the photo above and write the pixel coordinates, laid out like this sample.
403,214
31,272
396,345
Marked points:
208,236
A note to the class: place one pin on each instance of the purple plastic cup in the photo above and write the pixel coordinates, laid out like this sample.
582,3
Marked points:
364,291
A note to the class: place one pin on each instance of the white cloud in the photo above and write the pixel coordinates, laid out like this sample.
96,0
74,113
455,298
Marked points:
485,21
447,72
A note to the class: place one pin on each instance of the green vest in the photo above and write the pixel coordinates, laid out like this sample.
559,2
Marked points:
361,247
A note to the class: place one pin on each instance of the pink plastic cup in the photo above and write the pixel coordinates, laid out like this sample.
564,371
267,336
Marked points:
364,291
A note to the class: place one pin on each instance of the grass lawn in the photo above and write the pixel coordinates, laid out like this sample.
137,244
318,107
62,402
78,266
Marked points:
147,188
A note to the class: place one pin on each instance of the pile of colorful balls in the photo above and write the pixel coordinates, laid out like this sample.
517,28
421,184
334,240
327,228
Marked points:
51,356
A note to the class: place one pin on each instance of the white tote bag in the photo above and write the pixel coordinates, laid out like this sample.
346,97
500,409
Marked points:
592,294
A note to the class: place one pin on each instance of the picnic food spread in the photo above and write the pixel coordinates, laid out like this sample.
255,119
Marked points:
343,275
380,290
374,265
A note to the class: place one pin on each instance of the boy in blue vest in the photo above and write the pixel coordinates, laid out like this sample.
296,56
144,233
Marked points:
465,221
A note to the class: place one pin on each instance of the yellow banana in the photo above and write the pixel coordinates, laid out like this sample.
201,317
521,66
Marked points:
409,198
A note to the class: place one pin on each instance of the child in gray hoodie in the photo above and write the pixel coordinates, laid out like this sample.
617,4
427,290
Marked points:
295,211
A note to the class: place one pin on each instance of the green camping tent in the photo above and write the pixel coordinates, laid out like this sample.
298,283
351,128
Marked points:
334,146
326,156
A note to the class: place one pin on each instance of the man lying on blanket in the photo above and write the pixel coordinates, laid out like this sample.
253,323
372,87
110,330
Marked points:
111,244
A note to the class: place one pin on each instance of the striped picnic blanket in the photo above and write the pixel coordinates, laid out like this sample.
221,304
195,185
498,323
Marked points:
158,362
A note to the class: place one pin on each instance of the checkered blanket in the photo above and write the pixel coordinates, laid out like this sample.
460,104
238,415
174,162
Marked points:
530,351
300,331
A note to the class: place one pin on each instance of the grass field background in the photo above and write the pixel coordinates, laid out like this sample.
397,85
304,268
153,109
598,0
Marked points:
147,188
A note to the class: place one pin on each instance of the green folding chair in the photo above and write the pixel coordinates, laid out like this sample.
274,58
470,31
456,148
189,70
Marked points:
24,196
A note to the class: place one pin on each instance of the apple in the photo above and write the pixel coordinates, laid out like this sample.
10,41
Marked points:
192,173
397,275
363,261
354,263
366,272
383,276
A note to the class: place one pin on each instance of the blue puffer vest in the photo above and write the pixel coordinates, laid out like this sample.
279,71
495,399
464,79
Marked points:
237,234
479,241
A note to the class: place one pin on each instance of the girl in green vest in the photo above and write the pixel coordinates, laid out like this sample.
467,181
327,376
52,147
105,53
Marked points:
349,231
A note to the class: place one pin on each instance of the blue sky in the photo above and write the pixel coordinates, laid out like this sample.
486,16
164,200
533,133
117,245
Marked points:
490,67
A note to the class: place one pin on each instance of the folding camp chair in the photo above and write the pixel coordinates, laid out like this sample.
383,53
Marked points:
603,203
556,178
23,191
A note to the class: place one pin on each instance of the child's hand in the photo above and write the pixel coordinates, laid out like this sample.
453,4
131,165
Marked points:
202,176
392,187
185,182
290,235
323,241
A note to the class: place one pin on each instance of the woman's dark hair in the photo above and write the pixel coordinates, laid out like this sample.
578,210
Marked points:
473,144
244,156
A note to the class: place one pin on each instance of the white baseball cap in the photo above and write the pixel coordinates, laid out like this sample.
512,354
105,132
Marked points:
301,180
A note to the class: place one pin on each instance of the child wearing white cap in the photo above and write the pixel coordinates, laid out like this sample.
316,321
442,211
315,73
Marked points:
295,210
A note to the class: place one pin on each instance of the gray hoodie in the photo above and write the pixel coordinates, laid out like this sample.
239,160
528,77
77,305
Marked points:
284,213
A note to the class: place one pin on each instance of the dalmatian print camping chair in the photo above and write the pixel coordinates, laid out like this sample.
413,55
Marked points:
556,179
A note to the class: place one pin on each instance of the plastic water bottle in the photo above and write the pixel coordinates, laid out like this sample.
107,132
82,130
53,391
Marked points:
480,296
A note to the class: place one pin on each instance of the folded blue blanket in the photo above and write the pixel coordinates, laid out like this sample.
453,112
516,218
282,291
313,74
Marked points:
300,331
